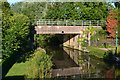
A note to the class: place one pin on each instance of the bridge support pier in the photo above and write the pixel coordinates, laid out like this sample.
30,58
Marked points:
71,41
66,41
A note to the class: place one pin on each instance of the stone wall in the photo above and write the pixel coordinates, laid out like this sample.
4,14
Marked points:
71,41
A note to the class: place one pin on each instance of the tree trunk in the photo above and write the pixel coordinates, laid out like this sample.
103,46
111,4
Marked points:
89,43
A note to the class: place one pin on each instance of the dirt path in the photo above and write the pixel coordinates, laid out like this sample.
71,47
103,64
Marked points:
107,49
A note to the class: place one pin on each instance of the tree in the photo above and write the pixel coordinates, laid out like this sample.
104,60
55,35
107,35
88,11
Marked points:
78,10
15,37
86,35
15,28
111,24
117,5
34,10
91,31
6,13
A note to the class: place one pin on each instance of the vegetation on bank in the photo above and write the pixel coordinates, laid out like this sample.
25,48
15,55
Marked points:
16,43
96,52
118,50
16,31
40,65
16,28
37,66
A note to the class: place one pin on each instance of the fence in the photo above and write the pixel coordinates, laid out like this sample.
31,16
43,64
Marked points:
41,22
108,42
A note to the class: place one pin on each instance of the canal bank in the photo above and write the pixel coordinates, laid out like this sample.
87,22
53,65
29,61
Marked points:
71,62
67,59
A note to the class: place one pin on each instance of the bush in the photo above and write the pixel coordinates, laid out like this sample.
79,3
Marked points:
118,50
99,34
40,65
15,35
108,55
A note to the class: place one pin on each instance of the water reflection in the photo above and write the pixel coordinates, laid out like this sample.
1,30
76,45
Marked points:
90,66
60,58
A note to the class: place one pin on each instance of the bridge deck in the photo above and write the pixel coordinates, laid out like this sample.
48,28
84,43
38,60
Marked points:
60,29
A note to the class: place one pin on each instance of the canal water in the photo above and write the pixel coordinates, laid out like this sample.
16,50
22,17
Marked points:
91,66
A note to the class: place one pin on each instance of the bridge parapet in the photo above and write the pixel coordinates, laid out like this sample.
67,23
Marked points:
45,22
61,29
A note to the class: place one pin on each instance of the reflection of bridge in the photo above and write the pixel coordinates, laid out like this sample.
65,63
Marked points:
86,65
66,27
67,71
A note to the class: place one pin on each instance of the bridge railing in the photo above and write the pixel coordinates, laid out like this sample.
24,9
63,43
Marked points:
43,22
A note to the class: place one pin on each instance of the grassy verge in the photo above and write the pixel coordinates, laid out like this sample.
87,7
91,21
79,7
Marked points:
23,69
7,64
18,69
96,51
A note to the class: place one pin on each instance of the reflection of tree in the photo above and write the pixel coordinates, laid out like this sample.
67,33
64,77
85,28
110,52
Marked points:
84,63
91,65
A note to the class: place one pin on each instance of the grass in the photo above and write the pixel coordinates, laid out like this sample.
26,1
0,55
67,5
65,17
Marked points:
8,63
19,68
106,47
28,68
96,52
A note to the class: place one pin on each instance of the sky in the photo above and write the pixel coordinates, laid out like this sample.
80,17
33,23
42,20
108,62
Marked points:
13,1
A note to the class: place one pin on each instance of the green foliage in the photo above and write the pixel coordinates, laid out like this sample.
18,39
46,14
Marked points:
15,28
40,65
96,51
78,10
119,23
117,4
108,56
34,10
99,34
14,37
84,38
6,10
6,13
118,50
32,68
40,40
100,40
91,30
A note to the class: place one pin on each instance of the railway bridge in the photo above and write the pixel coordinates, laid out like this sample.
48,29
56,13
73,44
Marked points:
70,29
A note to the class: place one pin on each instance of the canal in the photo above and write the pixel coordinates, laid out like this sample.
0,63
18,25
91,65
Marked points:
74,63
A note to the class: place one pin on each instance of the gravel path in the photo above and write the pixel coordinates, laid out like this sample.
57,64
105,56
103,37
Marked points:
107,49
